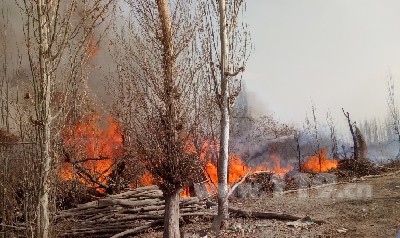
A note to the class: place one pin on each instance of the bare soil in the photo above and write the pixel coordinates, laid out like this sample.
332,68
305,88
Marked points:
368,207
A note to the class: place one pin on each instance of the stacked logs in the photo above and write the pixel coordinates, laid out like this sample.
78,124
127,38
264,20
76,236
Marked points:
122,214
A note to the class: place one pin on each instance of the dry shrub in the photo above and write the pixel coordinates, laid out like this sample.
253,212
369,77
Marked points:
70,193
350,168
393,165
298,180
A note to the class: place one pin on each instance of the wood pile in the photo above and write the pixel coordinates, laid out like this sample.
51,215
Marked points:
123,214
135,211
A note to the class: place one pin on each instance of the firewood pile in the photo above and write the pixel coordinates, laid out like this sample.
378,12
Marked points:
122,214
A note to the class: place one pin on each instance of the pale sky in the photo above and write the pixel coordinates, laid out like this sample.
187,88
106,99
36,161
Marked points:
335,53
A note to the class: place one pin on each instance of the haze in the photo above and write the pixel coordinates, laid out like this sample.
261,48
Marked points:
335,53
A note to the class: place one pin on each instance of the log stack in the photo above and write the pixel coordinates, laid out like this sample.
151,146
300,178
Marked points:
122,214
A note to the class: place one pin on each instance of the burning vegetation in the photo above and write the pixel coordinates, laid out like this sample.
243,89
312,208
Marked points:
92,149
319,163
169,95
93,154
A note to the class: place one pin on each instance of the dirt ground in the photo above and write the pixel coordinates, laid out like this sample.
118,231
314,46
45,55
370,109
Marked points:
368,207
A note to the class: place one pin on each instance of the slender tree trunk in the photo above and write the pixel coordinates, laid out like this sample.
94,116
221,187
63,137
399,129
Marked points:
43,113
353,135
224,106
168,58
171,217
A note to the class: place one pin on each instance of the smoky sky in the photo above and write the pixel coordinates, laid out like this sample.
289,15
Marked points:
334,53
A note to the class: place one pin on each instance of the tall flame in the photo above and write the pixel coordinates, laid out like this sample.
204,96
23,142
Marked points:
96,147
146,179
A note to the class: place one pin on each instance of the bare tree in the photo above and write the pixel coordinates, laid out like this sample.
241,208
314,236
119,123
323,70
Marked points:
227,49
356,144
55,33
158,95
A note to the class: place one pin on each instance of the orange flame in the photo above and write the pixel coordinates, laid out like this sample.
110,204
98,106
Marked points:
92,142
185,193
97,147
237,169
312,163
146,179
273,164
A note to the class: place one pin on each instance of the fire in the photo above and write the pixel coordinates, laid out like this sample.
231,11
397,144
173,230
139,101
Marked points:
312,163
96,147
100,148
146,179
185,193
237,169
273,164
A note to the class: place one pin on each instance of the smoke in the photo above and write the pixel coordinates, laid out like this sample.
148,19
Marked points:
252,138
12,45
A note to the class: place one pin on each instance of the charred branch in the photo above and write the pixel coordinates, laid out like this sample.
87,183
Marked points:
83,172
353,135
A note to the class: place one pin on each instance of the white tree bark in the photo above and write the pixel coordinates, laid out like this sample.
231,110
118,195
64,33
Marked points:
43,112
224,139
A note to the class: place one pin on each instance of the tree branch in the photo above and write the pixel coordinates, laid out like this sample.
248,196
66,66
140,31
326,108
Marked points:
241,69
234,186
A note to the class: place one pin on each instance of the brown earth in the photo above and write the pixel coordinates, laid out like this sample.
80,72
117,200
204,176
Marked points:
367,207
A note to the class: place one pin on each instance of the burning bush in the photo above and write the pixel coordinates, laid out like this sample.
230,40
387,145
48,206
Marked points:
319,162
94,156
